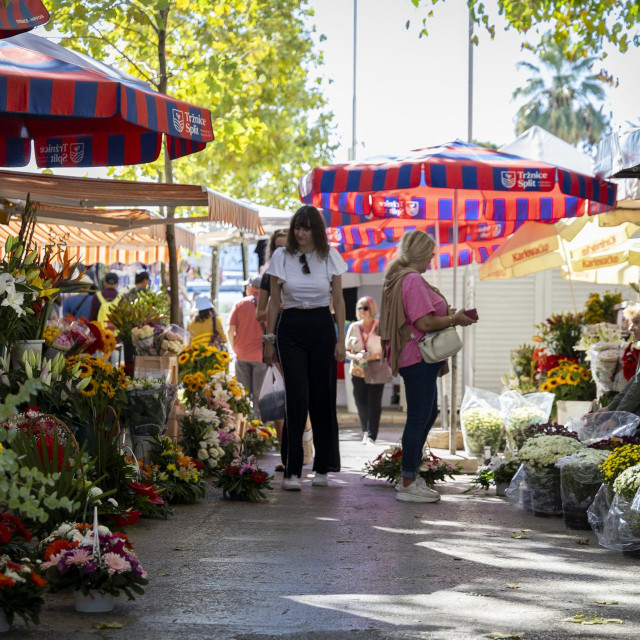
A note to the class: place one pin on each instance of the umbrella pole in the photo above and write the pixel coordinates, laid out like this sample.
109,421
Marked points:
442,387
568,263
454,360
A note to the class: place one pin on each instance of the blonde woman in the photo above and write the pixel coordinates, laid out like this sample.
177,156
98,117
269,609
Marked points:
410,308
364,347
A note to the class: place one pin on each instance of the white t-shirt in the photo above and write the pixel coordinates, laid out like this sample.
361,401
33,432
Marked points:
305,289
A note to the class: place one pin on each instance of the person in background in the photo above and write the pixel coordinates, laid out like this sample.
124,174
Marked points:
411,308
140,283
245,338
305,276
629,398
78,305
103,300
279,239
207,327
363,345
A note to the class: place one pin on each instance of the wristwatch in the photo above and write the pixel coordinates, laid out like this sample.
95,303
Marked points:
269,337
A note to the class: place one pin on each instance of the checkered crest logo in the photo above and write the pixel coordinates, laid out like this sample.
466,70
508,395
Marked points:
412,208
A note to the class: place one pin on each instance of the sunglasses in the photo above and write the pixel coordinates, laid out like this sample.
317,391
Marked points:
304,263
363,308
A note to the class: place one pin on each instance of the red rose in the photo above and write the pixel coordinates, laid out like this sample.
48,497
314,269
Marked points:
198,464
258,477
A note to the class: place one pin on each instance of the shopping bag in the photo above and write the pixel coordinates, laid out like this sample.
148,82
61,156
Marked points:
272,399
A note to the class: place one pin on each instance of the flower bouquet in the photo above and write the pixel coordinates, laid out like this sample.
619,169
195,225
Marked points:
71,337
140,492
259,438
204,358
14,537
580,479
173,340
387,466
97,570
177,473
498,472
482,427
21,591
433,469
207,436
242,479
144,338
539,456
521,412
569,381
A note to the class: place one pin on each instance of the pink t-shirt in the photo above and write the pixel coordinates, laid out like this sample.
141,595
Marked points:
418,299
248,339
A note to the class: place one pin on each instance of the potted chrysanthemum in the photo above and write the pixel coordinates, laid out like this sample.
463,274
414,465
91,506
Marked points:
539,456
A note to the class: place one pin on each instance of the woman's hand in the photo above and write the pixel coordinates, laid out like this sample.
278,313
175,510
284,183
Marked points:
339,351
461,319
269,353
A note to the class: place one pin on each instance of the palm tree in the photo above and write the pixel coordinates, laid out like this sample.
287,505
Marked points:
564,103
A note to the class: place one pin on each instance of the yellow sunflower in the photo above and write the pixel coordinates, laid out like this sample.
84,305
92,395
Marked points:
85,370
90,389
183,358
107,387
193,387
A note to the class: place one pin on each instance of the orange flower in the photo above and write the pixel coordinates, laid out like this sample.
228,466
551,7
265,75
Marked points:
39,581
55,548
184,461
6,581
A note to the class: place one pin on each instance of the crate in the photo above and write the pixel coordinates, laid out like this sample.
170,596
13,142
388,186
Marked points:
174,424
145,365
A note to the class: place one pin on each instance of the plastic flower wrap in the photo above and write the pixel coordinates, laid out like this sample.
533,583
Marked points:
148,407
605,370
580,479
482,427
143,339
545,451
521,411
601,332
173,340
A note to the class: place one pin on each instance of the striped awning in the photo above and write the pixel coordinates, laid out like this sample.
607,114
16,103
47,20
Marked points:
89,246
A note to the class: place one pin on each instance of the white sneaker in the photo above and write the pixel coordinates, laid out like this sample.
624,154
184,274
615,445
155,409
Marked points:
417,492
291,484
370,441
365,439
320,480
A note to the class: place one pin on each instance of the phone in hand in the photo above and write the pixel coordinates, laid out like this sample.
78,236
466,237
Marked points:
471,313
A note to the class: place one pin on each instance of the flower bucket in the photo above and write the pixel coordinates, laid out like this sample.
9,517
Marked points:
4,625
142,447
19,348
501,488
545,491
568,409
94,602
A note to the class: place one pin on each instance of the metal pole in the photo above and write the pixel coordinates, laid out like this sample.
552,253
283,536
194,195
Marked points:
442,387
214,275
454,361
352,151
470,83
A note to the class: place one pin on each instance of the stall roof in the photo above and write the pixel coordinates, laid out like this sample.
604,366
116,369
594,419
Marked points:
83,193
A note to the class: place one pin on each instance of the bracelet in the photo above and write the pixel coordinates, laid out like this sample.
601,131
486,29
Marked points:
269,337
451,321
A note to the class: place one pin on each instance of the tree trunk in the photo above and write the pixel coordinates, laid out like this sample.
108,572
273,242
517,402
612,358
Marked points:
168,175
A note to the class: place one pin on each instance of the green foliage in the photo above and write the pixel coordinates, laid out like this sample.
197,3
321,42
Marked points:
11,401
560,333
146,306
579,27
566,104
247,61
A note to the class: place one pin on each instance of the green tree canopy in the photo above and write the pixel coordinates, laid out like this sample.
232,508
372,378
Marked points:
579,28
561,97
249,61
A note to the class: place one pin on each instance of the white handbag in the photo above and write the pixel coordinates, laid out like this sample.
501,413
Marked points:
439,345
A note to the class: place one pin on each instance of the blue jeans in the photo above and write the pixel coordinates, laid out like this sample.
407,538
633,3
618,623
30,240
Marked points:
420,383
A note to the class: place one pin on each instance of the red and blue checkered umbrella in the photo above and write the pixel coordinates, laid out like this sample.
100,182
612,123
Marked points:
82,113
18,16
460,184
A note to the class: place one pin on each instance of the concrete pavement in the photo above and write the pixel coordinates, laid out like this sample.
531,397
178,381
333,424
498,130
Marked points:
350,562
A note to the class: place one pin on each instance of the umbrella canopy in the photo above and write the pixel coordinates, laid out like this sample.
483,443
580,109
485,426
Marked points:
619,265
17,16
458,183
537,247
81,113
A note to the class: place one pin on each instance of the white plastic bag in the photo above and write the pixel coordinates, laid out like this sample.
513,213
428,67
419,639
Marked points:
481,421
520,412
272,399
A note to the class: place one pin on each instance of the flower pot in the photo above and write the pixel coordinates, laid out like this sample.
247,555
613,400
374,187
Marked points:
142,447
19,348
94,602
4,625
232,495
575,517
572,409
544,485
501,488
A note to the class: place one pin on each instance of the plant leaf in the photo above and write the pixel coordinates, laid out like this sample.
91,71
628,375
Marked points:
512,586
606,602
496,635
108,625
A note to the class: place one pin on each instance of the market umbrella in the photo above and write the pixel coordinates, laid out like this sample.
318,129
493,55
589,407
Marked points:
17,16
618,265
82,113
537,247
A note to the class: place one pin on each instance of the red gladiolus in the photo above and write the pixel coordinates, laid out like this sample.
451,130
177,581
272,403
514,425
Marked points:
147,490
